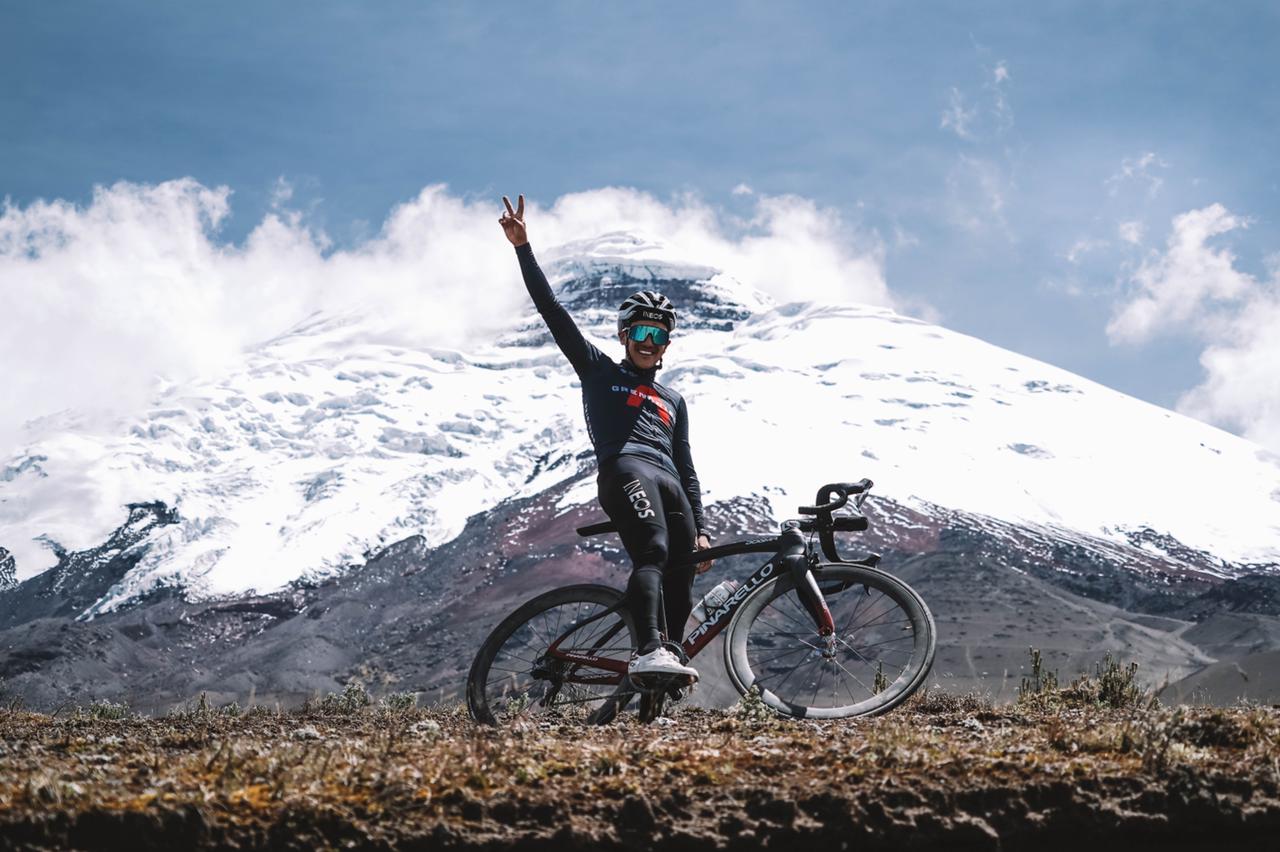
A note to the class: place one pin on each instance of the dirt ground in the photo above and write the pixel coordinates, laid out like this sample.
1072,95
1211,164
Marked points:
942,773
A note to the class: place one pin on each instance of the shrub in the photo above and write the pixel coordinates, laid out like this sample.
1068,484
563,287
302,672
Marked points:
751,707
935,700
351,700
202,711
399,702
104,710
1113,685
1041,682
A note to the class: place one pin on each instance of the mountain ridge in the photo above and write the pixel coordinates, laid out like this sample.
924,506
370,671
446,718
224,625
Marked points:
331,443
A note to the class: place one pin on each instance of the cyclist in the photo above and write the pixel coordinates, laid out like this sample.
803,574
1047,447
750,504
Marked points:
640,431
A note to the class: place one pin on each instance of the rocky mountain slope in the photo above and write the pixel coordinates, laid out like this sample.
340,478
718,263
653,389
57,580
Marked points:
411,617
348,507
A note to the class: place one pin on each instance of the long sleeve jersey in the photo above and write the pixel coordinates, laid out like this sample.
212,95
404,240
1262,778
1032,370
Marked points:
627,411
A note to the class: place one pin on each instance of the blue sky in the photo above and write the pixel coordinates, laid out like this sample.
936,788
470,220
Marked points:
1020,165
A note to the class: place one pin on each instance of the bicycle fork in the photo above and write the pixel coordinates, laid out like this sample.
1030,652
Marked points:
794,557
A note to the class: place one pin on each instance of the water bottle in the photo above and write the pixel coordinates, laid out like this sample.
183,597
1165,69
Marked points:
714,599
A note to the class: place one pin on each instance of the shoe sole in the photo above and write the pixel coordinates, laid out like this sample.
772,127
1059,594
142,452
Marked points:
690,679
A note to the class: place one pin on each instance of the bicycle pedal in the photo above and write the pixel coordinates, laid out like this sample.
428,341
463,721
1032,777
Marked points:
678,692
646,682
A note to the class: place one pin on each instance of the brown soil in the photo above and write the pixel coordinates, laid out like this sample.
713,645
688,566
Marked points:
942,773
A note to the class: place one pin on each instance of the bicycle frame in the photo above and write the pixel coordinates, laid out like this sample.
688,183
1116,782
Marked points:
790,553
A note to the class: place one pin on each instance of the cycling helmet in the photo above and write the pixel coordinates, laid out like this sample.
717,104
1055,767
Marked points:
647,305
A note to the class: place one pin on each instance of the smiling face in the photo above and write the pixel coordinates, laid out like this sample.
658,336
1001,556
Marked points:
644,354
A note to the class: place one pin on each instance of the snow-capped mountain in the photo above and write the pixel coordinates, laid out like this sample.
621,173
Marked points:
333,441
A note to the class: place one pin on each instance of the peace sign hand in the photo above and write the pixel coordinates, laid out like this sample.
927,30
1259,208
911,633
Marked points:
513,222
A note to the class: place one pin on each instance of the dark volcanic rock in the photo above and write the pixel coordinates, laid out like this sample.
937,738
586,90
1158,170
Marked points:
8,570
1257,594
80,579
411,617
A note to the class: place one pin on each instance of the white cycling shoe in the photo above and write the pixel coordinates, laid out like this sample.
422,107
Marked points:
659,662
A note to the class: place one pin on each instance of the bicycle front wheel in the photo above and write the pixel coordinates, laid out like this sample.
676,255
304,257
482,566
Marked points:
880,653
513,677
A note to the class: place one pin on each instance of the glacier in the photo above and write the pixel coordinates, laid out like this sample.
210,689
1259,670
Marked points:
335,439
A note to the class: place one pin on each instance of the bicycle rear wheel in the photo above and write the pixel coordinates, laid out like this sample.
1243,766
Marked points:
880,654
513,677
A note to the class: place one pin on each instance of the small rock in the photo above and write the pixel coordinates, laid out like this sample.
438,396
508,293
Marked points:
636,815
428,728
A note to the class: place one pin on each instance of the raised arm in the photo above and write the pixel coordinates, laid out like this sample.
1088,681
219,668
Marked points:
582,354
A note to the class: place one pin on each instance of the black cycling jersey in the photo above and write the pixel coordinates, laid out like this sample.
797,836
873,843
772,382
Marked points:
627,411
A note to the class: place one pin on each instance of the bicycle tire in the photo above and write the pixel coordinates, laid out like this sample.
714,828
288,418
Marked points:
758,654
517,692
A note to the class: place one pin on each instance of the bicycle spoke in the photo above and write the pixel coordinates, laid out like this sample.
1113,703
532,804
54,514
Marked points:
861,600
762,663
779,610
583,623
818,685
513,671
854,676
886,650
878,620
887,641
560,616
849,690
885,614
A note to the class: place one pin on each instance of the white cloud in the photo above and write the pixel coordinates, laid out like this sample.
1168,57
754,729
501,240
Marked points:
978,190
742,189
955,117
1083,246
904,239
983,114
281,193
1241,389
982,179
1140,170
790,247
1002,110
1183,285
1194,287
102,301
1131,232
1068,286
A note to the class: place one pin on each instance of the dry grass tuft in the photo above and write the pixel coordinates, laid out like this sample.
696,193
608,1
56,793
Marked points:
349,770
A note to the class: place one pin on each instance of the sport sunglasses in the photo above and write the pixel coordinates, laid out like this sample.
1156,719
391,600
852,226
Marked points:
639,333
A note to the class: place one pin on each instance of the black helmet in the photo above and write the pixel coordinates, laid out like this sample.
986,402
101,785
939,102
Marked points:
647,305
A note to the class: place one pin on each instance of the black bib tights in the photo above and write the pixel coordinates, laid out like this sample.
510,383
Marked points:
638,495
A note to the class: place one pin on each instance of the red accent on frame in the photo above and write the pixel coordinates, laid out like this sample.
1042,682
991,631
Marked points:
826,625
606,663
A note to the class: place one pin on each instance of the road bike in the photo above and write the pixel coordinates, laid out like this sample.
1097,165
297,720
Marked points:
814,635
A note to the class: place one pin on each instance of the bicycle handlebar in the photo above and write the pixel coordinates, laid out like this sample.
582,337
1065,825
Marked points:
844,489
826,525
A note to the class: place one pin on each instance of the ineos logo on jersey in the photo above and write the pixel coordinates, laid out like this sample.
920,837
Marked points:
639,500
